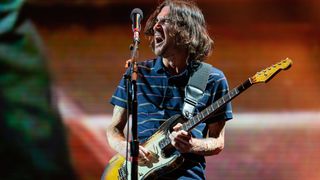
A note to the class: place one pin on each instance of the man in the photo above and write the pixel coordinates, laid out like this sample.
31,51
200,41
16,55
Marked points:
179,39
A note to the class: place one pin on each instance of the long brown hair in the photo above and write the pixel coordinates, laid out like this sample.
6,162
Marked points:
189,28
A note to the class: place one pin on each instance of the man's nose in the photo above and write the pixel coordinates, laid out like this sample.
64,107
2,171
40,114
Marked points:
157,26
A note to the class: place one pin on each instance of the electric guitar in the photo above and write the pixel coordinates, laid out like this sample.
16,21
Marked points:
165,157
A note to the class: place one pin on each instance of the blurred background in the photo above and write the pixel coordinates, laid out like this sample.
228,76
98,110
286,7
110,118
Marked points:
275,131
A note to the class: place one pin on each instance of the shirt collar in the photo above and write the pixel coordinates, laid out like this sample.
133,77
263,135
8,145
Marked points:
159,66
179,78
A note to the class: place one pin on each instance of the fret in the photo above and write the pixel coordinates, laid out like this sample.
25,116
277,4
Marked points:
215,106
226,97
235,92
188,125
222,101
202,114
218,103
198,118
205,113
210,109
193,122
184,126
242,87
229,94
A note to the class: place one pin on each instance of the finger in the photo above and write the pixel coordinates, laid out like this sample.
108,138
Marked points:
183,135
177,127
172,136
142,161
144,150
142,155
178,138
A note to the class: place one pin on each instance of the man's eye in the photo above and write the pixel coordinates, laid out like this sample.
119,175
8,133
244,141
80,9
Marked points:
162,21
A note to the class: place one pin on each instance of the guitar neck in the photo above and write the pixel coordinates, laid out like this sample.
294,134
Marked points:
205,114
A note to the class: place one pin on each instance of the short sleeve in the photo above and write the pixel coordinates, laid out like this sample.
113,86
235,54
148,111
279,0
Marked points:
219,88
120,97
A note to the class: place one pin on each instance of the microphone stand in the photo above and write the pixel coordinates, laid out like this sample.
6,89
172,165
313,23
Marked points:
133,107
136,16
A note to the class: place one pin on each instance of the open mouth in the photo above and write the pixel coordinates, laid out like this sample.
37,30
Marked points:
158,39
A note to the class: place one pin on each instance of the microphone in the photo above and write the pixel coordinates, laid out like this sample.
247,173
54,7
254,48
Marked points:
136,17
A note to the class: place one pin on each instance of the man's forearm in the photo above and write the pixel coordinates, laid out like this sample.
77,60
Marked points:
114,131
207,146
116,140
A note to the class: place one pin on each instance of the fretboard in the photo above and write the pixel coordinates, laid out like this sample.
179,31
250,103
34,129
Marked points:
204,114
213,108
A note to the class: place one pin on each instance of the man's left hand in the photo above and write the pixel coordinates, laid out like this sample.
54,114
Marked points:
181,139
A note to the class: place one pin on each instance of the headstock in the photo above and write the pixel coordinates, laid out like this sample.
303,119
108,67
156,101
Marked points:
268,73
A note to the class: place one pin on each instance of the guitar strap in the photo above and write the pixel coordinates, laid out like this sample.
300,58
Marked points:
195,88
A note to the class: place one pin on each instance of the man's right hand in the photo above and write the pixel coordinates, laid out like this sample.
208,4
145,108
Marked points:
144,156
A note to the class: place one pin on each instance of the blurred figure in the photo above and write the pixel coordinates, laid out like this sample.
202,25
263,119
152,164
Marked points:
32,137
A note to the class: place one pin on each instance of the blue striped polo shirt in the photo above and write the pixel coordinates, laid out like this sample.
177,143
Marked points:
161,95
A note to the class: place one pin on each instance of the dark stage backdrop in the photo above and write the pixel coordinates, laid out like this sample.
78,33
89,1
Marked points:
87,42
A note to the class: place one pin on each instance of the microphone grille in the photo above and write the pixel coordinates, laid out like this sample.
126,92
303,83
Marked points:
136,11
